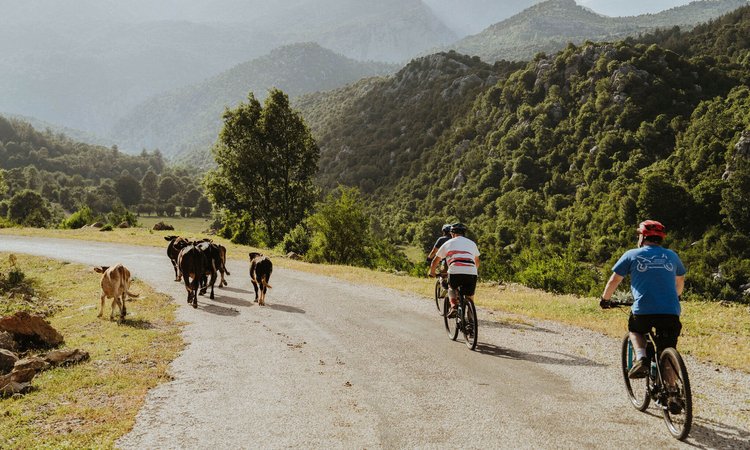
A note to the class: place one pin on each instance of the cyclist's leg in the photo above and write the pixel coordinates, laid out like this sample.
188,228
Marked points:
469,286
453,284
639,326
668,328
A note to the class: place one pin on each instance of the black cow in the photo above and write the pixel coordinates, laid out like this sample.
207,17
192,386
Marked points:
260,273
193,264
176,244
214,256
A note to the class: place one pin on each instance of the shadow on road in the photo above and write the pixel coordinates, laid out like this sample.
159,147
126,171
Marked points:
561,359
233,301
514,326
285,308
219,310
236,290
707,433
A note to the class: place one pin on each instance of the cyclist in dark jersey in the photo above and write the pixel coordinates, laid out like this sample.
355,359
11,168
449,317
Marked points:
439,243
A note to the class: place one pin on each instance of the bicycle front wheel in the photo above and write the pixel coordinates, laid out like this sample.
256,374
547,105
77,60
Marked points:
678,412
637,389
470,325
451,324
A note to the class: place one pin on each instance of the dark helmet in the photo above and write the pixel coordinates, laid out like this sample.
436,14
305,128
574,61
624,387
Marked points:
447,228
652,228
458,228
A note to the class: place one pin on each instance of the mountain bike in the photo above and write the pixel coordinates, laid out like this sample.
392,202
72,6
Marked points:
465,321
441,291
667,384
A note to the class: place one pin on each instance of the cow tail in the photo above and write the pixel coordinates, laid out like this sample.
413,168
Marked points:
265,283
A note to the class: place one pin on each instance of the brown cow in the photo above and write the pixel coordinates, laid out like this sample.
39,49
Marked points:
116,284
260,273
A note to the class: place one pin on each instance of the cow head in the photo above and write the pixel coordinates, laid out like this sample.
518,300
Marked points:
170,238
101,269
254,255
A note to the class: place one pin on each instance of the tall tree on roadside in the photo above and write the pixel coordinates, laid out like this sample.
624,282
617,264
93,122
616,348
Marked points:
128,189
266,159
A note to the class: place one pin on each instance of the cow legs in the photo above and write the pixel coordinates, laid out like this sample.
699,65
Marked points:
255,287
177,275
101,305
212,282
123,308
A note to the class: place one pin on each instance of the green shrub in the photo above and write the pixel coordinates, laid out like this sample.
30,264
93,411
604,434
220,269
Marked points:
78,219
297,240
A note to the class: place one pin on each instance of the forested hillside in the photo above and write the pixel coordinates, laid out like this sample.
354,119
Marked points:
374,132
554,166
47,176
549,26
187,121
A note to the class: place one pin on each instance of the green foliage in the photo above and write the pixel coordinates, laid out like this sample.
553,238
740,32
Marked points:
340,229
297,240
266,160
556,273
29,208
78,219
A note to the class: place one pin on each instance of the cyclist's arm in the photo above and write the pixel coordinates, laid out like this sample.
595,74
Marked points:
476,261
433,265
680,284
432,253
612,284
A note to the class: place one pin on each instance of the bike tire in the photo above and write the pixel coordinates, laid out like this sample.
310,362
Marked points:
451,324
679,424
638,389
470,326
439,296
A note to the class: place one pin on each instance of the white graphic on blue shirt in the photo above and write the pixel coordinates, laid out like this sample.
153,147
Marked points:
654,262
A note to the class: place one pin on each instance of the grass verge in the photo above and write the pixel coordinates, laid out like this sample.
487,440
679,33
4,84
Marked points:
92,404
711,331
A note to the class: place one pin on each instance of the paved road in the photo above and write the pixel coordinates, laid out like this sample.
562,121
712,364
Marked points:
333,364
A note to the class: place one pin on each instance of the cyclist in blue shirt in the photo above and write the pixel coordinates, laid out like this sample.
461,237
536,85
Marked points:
657,278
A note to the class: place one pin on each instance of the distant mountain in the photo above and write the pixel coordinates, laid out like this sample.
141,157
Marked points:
551,25
190,118
472,16
620,8
85,63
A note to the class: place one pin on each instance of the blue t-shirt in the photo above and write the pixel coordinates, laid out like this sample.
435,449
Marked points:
652,271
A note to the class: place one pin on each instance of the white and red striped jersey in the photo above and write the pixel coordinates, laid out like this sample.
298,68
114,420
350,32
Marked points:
460,254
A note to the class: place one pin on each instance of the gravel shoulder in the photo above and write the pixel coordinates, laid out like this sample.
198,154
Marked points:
334,364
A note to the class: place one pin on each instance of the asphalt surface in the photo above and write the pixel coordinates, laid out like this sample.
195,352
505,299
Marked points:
332,364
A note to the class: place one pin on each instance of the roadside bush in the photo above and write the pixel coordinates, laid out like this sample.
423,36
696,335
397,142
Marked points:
297,240
556,273
78,219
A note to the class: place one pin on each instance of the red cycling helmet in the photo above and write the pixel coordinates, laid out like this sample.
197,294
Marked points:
652,228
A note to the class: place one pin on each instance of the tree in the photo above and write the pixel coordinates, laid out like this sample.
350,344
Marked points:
150,185
340,229
28,208
266,159
202,208
168,187
128,190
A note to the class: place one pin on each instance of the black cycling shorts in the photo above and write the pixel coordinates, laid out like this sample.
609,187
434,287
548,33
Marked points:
468,283
667,326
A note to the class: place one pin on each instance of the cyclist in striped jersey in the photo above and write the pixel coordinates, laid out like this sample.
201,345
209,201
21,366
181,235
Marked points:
462,256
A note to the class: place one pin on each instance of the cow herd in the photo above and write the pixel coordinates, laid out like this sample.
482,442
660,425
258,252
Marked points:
197,263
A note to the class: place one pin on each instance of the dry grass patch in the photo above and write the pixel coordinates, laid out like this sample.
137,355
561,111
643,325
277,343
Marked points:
92,404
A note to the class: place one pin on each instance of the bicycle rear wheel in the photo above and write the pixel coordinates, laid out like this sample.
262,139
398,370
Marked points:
451,325
678,412
471,325
439,296
638,391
